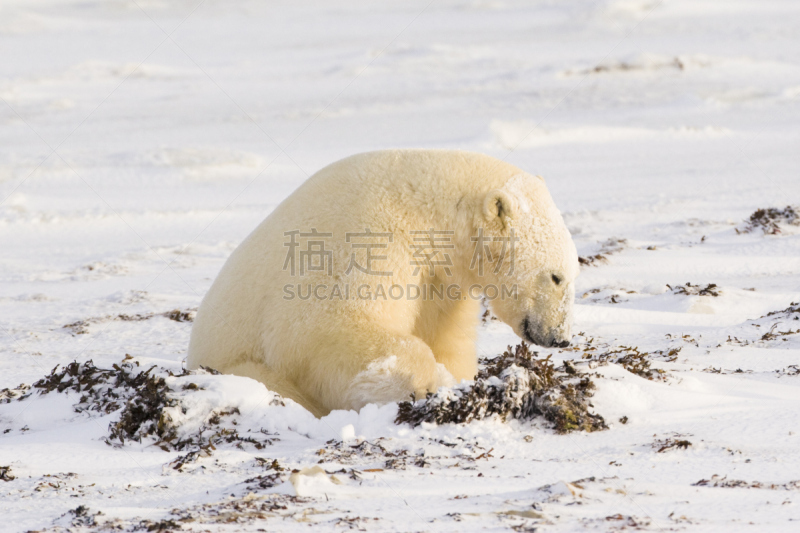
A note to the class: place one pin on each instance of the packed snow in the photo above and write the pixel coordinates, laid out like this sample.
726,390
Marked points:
141,141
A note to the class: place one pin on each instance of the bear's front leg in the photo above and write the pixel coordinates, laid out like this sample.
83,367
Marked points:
449,328
387,368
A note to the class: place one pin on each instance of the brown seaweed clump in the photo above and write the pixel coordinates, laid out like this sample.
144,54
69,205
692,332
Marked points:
608,247
5,474
696,290
769,220
515,385
724,482
146,403
15,394
81,327
139,394
793,311
104,390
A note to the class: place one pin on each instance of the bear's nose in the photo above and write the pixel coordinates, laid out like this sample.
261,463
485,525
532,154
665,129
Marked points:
562,344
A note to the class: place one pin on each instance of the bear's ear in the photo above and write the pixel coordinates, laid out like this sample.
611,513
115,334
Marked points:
499,204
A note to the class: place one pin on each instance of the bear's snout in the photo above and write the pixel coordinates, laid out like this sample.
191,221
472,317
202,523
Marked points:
533,334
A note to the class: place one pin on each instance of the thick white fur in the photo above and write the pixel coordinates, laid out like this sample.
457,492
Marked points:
343,354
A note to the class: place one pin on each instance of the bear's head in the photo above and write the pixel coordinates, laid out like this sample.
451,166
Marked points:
529,256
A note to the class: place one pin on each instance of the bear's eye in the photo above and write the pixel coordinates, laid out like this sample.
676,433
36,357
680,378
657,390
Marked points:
556,279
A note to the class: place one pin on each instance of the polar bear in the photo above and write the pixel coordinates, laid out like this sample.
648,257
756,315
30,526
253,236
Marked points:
364,284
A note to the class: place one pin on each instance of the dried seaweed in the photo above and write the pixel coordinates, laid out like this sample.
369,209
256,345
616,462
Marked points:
515,385
772,334
180,316
147,415
160,525
182,460
104,390
5,474
144,413
83,516
769,220
624,521
724,482
275,474
793,309
720,370
239,510
632,360
354,522
696,290
230,512
17,393
671,443
636,362
56,482
371,453
140,395
791,370
81,327
145,400
775,320
611,295
608,247
623,66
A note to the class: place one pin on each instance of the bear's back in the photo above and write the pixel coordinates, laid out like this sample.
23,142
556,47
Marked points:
244,314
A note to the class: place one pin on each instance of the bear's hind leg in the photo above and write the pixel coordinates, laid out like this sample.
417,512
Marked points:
277,383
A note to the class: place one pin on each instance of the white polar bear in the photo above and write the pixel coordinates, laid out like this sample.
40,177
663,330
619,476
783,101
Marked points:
364,284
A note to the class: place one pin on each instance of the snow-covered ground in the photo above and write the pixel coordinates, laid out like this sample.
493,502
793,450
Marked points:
141,141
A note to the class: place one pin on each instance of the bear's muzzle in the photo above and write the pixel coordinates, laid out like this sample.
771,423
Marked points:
551,340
